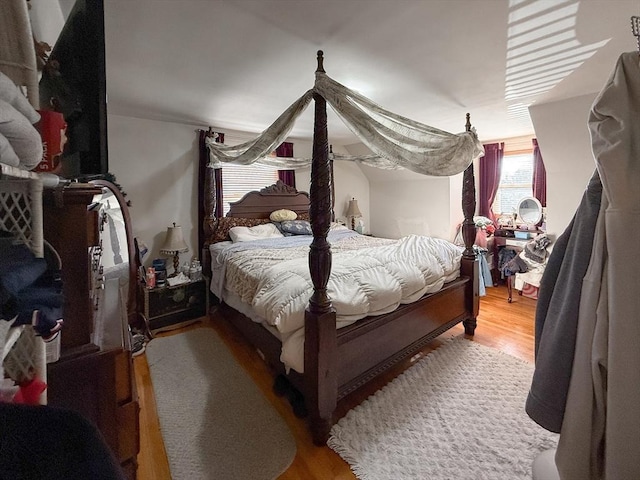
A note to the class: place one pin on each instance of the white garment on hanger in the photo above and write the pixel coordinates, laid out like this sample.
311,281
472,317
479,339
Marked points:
600,436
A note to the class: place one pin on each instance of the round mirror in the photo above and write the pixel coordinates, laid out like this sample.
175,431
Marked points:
529,211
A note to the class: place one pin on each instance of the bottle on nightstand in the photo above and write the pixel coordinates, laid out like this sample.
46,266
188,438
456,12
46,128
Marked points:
151,277
195,271
185,268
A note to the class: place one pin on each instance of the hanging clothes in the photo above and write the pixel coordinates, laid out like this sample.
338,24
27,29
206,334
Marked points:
600,434
557,312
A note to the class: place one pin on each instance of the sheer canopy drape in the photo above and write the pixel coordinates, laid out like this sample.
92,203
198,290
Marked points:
490,168
204,137
539,175
396,141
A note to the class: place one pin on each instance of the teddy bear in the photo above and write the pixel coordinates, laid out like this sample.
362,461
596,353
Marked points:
20,141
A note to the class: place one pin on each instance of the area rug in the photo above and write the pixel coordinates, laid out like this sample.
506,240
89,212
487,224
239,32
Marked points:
456,414
215,422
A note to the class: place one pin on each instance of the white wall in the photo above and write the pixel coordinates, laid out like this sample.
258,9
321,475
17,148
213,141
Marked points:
402,202
455,203
565,144
402,207
156,164
350,182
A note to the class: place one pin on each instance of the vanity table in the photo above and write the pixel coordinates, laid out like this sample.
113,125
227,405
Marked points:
514,238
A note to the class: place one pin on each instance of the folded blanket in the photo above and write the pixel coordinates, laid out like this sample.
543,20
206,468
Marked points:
17,50
20,142
19,267
23,137
536,249
7,154
11,94
30,290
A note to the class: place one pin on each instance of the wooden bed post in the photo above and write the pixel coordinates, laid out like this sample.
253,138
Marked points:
320,348
469,265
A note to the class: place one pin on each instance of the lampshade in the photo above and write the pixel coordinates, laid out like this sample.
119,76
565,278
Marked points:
353,210
174,241
174,244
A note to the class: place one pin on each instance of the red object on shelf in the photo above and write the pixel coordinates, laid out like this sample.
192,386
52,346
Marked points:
52,128
30,391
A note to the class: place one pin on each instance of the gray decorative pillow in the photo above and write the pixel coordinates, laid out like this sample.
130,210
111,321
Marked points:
296,227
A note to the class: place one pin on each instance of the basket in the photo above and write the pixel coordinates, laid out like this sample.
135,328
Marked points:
23,353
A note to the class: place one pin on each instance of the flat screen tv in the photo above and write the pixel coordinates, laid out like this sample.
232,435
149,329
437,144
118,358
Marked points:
73,82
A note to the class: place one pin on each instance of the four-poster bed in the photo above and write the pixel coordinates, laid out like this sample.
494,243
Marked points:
337,361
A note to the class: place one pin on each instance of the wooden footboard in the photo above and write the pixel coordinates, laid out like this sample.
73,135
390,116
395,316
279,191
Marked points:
354,355
367,349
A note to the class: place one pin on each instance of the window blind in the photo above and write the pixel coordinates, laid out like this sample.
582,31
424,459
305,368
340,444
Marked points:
518,145
237,180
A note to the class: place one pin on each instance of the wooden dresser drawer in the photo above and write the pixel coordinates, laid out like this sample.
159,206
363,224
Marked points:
123,377
128,434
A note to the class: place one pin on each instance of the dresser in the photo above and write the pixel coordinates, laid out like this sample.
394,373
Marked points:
94,375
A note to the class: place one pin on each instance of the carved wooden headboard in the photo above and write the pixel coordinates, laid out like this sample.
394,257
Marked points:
260,204
253,209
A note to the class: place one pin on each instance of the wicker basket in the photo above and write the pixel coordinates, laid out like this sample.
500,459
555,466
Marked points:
23,352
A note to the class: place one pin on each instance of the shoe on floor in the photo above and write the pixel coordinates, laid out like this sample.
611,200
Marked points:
138,344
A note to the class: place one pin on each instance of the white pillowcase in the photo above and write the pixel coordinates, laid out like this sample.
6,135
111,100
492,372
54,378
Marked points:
259,232
335,226
282,215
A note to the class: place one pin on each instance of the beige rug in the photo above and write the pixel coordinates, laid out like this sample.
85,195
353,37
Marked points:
457,414
215,422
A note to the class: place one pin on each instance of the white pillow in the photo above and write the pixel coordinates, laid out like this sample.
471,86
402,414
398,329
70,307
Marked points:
283,215
259,232
335,226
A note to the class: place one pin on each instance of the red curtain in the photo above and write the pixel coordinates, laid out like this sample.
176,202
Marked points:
490,168
288,177
285,150
539,175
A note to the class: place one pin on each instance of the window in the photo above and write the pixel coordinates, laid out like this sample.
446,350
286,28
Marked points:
516,182
240,179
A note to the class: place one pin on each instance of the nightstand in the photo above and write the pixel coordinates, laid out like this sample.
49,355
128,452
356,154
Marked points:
166,308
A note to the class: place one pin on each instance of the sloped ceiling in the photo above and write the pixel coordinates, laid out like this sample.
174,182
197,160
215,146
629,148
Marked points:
238,64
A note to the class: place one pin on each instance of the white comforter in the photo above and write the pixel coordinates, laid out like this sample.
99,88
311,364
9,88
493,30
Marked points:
372,280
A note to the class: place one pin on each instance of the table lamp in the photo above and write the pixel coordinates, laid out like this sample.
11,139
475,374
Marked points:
354,212
174,244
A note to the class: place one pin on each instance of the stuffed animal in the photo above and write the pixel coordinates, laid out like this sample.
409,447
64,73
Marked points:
20,142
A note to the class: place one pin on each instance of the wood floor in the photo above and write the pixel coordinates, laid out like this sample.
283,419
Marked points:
502,325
